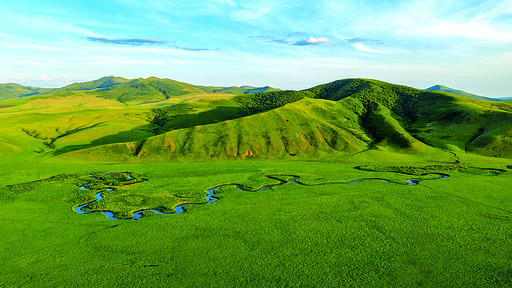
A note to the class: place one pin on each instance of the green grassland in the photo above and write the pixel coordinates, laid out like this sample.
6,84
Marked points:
443,233
177,140
13,91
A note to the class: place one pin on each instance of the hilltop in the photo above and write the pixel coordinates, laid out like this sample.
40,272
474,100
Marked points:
117,119
13,90
127,90
441,88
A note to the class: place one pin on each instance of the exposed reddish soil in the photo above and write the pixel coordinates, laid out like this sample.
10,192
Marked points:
6,106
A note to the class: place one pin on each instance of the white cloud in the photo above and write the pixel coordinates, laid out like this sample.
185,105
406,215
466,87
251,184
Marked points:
433,19
360,47
313,41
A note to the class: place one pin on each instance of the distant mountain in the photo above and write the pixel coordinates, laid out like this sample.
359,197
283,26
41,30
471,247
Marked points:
103,82
13,90
139,90
237,90
441,88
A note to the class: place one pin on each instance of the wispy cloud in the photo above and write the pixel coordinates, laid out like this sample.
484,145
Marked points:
195,49
453,22
360,40
127,41
477,31
313,41
282,41
360,47
297,33
250,13
99,60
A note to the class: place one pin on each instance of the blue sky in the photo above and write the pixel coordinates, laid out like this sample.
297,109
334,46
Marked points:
287,44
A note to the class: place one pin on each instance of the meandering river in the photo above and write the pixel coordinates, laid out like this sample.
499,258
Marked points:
210,198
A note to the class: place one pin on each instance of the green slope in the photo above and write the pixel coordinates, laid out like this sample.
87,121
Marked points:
13,90
104,82
332,120
308,128
441,88
279,123
149,90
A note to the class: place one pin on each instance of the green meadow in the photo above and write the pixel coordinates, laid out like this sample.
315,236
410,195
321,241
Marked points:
157,144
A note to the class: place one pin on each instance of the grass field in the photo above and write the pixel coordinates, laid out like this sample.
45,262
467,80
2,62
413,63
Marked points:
444,233
159,143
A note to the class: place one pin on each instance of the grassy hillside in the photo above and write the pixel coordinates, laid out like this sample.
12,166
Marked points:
13,90
149,90
104,82
307,128
441,88
160,119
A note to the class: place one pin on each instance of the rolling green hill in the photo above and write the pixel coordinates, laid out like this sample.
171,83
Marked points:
104,120
147,90
103,82
441,88
13,90
237,90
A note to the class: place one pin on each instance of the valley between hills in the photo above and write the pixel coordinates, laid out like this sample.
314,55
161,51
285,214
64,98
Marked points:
145,150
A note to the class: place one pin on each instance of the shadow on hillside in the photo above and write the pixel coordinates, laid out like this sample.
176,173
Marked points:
135,134
174,122
216,115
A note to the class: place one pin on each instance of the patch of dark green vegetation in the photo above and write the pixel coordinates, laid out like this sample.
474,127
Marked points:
423,170
15,190
100,181
95,181
180,116
261,102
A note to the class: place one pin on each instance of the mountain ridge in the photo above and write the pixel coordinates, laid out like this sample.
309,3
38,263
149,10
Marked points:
337,119
121,89
442,88
14,90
